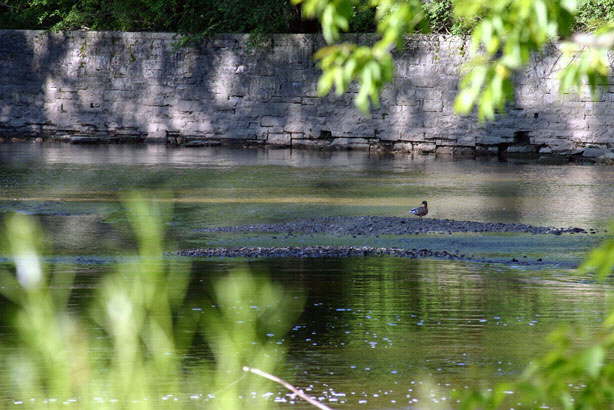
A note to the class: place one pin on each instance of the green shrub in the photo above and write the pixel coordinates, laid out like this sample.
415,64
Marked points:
129,349
594,13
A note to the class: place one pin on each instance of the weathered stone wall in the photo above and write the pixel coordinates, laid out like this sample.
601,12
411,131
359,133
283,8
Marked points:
91,86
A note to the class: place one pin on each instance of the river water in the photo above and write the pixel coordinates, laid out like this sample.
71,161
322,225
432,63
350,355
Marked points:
374,332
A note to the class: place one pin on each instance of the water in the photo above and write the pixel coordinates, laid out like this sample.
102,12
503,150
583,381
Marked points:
374,332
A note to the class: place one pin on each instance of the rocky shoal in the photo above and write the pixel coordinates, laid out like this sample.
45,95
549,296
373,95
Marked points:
342,252
387,225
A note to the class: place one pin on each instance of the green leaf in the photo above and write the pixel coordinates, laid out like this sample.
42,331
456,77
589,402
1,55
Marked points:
569,5
349,69
464,101
601,259
541,13
362,100
497,89
328,24
486,34
387,66
339,81
325,83
341,21
376,71
593,360
513,56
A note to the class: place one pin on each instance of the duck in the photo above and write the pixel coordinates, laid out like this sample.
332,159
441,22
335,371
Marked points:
421,210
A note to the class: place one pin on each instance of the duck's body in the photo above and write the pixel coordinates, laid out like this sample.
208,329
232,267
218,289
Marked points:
421,210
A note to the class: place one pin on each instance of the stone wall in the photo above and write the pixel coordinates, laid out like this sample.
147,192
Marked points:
111,86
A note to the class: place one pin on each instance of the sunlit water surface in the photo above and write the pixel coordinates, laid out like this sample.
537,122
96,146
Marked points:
374,332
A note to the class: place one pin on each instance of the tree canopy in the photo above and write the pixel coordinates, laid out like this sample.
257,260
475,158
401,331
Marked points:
231,16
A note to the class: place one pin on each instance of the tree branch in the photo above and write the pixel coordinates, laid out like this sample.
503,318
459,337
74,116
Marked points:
288,386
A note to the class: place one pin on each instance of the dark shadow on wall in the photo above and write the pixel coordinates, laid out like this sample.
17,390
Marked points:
25,75
141,85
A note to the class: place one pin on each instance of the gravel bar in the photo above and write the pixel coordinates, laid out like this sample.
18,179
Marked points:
387,225
342,252
316,252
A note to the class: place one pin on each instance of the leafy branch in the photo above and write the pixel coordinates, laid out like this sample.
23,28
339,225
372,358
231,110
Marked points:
507,34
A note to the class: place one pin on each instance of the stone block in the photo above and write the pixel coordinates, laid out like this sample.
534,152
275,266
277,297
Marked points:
284,139
581,135
577,124
563,147
425,147
262,88
411,136
310,100
350,142
429,93
270,121
464,152
292,89
403,146
186,106
466,140
486,150
521,149
545,150
593,152
432,105
309,143
444,150
294,125
493,140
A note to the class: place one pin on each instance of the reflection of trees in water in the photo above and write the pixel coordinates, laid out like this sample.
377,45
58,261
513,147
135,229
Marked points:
428,309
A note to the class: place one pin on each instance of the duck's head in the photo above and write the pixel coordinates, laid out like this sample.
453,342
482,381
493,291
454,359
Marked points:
424,203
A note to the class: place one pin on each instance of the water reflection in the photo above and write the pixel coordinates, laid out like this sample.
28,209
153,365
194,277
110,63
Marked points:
373,329
218,184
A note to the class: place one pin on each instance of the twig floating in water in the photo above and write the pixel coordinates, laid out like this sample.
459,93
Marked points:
288,386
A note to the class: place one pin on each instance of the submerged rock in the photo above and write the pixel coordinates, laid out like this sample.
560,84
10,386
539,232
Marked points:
314,252
343,252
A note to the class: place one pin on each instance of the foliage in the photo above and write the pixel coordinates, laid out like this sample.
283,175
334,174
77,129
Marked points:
371,66
208,16
593,14
440,18
506,33
568,376
587,61
129,352
601,259
184,16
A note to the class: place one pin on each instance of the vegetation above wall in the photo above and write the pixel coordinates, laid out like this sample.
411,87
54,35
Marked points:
233,16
